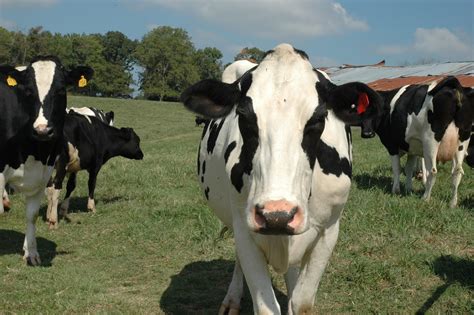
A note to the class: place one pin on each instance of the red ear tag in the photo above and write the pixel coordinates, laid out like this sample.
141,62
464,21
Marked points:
362,103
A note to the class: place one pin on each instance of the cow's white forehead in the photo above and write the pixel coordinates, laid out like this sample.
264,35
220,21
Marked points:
44,75
284,83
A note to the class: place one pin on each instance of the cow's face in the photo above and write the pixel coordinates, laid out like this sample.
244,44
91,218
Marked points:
280,119
44,84
131,148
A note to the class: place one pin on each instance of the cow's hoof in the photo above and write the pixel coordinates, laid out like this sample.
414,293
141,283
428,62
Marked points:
32,259
52,225
224,310
426,198
453,204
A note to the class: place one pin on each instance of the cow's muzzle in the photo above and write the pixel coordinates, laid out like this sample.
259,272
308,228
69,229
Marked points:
43,132
277,217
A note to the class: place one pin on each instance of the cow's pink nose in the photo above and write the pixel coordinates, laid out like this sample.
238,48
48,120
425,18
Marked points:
277,217
43,130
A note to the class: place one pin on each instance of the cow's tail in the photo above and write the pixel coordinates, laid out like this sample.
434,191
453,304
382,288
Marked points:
449,144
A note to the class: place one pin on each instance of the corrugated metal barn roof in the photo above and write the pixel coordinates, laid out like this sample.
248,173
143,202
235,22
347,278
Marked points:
381,77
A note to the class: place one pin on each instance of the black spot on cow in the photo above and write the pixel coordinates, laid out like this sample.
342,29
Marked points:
249,130
301,53
330,161
202,179
203,168
229,150
349,139
214,130
206,126
460,148
206,192
312,133
267,53
246,81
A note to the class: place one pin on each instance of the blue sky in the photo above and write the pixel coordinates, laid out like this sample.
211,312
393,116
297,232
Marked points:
331,32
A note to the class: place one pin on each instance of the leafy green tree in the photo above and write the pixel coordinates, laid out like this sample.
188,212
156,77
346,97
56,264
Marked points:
209,63
253,54
167,56
6,41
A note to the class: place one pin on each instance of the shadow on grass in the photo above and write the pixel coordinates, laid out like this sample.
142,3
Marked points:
368,181
11,242
201,286
468,204
452,270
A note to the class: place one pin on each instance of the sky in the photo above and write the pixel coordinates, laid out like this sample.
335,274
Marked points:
331,32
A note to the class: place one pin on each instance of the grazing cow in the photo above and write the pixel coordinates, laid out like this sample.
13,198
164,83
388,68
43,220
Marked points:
40,90
90,144
432,121
107,118
275,164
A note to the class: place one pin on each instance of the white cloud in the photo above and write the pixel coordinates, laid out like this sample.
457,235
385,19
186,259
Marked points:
23,3
437,43
276,19
440,41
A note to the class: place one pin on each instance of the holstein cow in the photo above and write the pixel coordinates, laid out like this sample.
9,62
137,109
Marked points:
275,164
107,118
90,144
433,121
27,164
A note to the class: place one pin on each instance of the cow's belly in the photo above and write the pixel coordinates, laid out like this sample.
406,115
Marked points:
30,178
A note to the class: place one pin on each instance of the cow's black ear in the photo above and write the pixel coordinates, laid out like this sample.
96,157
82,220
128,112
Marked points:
211,98
354,102
80,76
10,76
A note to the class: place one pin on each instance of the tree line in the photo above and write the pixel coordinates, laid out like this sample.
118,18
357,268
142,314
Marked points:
165,58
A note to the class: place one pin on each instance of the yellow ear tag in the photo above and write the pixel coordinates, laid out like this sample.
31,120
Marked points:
11,81
82,82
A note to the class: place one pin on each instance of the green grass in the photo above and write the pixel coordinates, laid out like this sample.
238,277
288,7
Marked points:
153,246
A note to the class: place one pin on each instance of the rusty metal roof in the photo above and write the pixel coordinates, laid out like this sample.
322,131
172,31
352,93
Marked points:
381,77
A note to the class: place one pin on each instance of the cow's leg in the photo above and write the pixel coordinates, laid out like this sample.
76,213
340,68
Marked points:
396,173
423,169
304,293
91,184
409,168
429,152
231,303
291,278
255,269
70,186
457,172
29,246
53,190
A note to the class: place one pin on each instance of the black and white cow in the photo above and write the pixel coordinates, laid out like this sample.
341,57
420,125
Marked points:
275,165
90,144
432,121
106,117
40,89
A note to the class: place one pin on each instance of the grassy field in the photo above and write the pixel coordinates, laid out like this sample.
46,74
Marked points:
154,247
